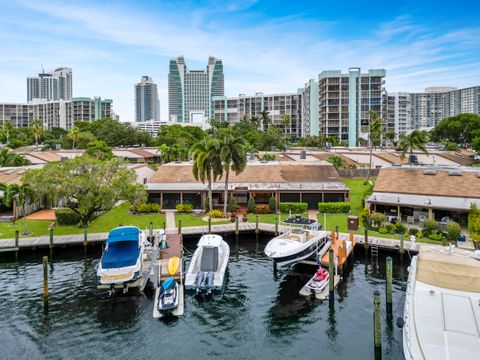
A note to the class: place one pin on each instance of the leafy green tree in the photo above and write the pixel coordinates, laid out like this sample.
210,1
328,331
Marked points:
232,206
251,205
233,156
375,130
272,204
183,136
286,122
453,231
6,131
207,165
459,129
86,185
415,140
83,139
430,225
37,126
474,222
115,133
265,119
10,158
22,194
337,161
73,135
99,150
272,139
173,153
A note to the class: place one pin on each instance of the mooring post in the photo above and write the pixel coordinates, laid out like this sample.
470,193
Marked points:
164,227
209,225
444,241
336,230
17,238
331,272
377,325
45,278
365,244
402,246
179,226
389,268
85,237
276,226
151,229
236,227
51,238
256,225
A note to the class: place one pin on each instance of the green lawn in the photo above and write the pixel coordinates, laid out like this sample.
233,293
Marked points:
104,223
193,220
265,218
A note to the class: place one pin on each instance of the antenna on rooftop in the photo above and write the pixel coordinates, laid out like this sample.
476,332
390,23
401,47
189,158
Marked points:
43,70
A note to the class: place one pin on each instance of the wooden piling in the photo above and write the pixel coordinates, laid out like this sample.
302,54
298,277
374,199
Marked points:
389,269
276,226
236,228
402,246
164,227
377,325
179,226
209,225
85,235
45,278
256,224
365,244
50,245
17,238
336,230
151,229
331,272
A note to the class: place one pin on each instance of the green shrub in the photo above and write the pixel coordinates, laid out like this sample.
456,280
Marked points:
430,225
365,217
453,231
251,205
413,231
401,229
383,230
184,208
334,207
437,236
269,157
232,205
262,209
294,207
365,195
148,208
215,214
207,204
272,204
419,234
66,216
377,218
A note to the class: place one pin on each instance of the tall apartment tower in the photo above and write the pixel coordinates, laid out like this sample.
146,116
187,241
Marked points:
190,92
345,100
310,116
147,105
51,86
437,103
397,112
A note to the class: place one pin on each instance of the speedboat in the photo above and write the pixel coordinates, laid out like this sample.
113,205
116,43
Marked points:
121,262
319,281
442,313
301,240
168,296
208,265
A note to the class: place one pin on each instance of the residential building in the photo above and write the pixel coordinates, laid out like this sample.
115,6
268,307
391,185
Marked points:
288,181
51,86
150,126
397,112
190,92
278,106
345,101
436,103
147,105
310,116
59,113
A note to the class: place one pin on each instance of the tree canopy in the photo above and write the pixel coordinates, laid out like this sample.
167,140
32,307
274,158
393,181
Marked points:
9,158
463,129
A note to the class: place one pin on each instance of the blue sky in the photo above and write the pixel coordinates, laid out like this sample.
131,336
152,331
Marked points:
269,46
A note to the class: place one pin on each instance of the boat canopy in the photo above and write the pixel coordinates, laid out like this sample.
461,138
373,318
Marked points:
298,220
125,233
210,240
449,271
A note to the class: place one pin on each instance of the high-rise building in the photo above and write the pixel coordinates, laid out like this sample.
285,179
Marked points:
147,105
345,101
51,86
397,112
190,92
310,123
59,113
278,106
437,103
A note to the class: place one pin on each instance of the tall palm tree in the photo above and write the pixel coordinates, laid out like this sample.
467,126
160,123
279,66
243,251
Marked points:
233,156
37,126
21,194
286,121
207,165
73,135
10,158
7,130
265,119
375,130
415,140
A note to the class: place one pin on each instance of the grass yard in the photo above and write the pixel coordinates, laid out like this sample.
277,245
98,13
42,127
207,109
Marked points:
193,220
265,218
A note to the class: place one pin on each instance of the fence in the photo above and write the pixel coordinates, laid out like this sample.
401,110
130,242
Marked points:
357,173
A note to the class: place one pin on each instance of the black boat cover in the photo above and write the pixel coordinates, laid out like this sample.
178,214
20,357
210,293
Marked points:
298,220
209,259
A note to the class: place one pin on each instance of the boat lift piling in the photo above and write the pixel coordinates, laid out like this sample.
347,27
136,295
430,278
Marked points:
402,247
377,325
365,244
45,279
236,228
389,270
17,236
331,270
256,227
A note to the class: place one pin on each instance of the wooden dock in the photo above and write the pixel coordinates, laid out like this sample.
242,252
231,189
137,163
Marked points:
342,249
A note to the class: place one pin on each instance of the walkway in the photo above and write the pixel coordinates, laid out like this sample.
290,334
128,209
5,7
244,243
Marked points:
170,221
48,215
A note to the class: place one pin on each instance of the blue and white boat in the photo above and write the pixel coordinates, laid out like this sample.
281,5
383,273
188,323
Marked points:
121,263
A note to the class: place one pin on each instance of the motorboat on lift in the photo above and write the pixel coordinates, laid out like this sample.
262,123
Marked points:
442,308
207,268
121,262
302,239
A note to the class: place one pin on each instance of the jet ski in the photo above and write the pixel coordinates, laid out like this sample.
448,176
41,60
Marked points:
319,281
168,296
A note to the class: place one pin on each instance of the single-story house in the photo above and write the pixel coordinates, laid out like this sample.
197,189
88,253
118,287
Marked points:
414,193
288,181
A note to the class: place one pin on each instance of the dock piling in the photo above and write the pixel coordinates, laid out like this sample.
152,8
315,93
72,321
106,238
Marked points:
402,246
256,226
331,272
164,227
17,238
50,245
377,325
389,269
209,225
45,278
276,226
151,229
179,226
365,244
236,228
336,230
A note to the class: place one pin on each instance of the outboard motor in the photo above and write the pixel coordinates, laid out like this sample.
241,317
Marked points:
199,279
209,282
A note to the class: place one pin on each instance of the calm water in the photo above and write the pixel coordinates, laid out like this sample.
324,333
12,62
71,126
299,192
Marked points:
259,316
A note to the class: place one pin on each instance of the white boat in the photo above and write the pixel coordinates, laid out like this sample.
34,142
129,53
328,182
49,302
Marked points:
121,262
208,265
442,308
301,240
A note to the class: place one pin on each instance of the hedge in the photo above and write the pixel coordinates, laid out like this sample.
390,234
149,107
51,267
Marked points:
294,207
66,216
148,208
262,209
334,207
184,208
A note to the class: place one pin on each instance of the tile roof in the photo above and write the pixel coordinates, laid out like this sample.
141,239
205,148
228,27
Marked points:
413,180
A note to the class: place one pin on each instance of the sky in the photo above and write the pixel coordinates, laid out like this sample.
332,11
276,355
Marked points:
266,46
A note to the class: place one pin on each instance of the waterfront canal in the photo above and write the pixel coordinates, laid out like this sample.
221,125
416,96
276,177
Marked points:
259,316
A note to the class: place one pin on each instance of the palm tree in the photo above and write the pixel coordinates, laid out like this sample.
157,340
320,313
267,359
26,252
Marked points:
265,119
10,158
375,130
7,130
415,140
37,126
73,135
286,121
21,194
207,165
233,156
